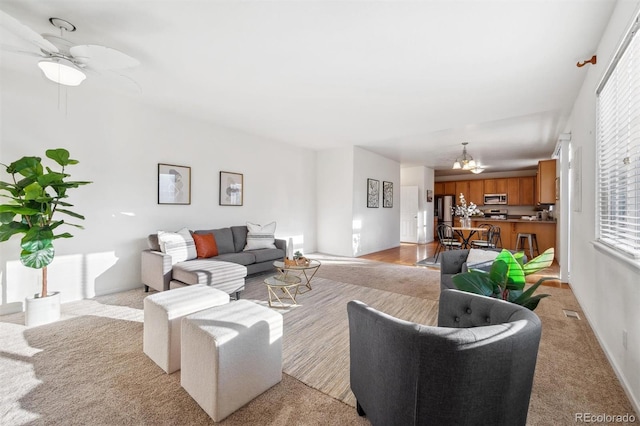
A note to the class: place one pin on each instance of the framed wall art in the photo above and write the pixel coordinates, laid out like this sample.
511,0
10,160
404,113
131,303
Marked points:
231,189
387,194
174,184
373,193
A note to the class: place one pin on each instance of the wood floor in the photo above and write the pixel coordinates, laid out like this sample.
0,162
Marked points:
409,254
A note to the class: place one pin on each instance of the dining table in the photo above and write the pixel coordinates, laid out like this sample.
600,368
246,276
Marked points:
465,233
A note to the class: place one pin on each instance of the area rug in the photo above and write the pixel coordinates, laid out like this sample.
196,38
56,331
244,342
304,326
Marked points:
316,331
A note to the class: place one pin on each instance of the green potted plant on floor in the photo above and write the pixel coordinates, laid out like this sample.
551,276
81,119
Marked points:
35,197
506,278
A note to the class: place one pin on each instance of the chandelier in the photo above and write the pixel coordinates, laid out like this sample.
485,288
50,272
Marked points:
466,162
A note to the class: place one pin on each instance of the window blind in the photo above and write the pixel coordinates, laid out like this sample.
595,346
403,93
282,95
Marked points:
618,150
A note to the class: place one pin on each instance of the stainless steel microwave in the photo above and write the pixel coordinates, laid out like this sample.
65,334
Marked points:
495,199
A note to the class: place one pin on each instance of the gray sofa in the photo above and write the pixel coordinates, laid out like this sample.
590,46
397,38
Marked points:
453,262
222,271
475,368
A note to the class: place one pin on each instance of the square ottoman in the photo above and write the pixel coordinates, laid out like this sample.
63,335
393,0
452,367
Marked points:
162,314
230,355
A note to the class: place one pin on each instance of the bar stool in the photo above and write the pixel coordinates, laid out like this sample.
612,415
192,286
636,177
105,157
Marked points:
533,242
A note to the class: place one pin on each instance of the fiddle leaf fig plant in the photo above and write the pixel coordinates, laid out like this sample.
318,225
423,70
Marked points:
506,279
34,196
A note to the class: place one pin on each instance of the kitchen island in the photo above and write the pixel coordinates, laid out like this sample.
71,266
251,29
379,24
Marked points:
545,231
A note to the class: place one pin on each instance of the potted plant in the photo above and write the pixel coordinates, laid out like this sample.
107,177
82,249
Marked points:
506,279
35,200
300,259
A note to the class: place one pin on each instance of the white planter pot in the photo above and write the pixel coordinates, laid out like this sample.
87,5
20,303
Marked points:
42,310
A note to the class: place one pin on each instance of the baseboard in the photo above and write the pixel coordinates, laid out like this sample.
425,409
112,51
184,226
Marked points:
11,308
625,386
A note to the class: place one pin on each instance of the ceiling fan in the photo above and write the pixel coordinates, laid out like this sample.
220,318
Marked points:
62,61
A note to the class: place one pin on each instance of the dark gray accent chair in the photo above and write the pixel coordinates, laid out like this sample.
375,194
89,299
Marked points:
475,368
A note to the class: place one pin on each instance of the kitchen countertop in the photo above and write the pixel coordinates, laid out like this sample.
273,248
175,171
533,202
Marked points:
488,219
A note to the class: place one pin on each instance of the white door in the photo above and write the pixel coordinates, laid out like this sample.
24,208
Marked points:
409,214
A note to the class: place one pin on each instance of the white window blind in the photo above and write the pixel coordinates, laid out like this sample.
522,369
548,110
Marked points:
618,150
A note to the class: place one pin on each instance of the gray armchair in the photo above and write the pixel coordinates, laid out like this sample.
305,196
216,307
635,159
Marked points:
475,368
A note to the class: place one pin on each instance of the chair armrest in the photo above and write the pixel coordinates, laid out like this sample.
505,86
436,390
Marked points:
156,269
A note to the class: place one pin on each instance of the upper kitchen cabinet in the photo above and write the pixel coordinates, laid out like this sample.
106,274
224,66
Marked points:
495,186
462,187
527,190
476,192
450,188
438,188
546,182
513,191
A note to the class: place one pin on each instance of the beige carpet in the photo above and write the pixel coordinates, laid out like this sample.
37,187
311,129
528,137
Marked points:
90,369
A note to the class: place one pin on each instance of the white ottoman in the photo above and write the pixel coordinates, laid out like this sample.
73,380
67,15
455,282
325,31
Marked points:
162,314
230,355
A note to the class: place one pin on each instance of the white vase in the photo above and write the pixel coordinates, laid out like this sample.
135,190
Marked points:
465,222
42,310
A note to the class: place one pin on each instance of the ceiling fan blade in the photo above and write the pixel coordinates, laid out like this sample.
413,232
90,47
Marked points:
102,57
25,33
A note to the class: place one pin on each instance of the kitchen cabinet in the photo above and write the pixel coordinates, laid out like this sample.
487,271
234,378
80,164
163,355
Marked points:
510,228
527,190
546,182
513,192
476,192
438,188
450,188
462,187
495,186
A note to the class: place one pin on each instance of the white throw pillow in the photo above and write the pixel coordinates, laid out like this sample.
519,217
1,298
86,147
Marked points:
179,245
260,237
477,256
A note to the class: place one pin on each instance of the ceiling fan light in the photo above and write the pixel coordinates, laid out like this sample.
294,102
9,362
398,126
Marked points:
62,71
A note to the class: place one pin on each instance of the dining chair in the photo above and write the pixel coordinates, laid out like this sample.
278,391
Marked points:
446,239
487,238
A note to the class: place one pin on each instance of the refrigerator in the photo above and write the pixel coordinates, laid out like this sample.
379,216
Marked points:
443,209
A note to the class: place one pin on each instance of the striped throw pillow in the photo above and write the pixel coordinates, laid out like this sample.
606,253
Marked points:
260,237
179,245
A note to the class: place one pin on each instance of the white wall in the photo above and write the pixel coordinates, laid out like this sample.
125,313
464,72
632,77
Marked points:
374,229
607,287
119,144
335,201
346,227
423,178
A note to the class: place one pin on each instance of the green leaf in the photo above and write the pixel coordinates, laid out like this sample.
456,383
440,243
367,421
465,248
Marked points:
64,235
70,213
10,188
541,262
7,230
477,282
50,178
38,259
532,303
26,166
33,191
7,217
60,156
529,292
16,209
37,238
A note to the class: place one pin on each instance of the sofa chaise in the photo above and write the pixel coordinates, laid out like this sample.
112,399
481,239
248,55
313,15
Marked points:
163,268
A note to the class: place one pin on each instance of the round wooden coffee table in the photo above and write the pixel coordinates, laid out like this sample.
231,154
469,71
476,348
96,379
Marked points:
282,286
